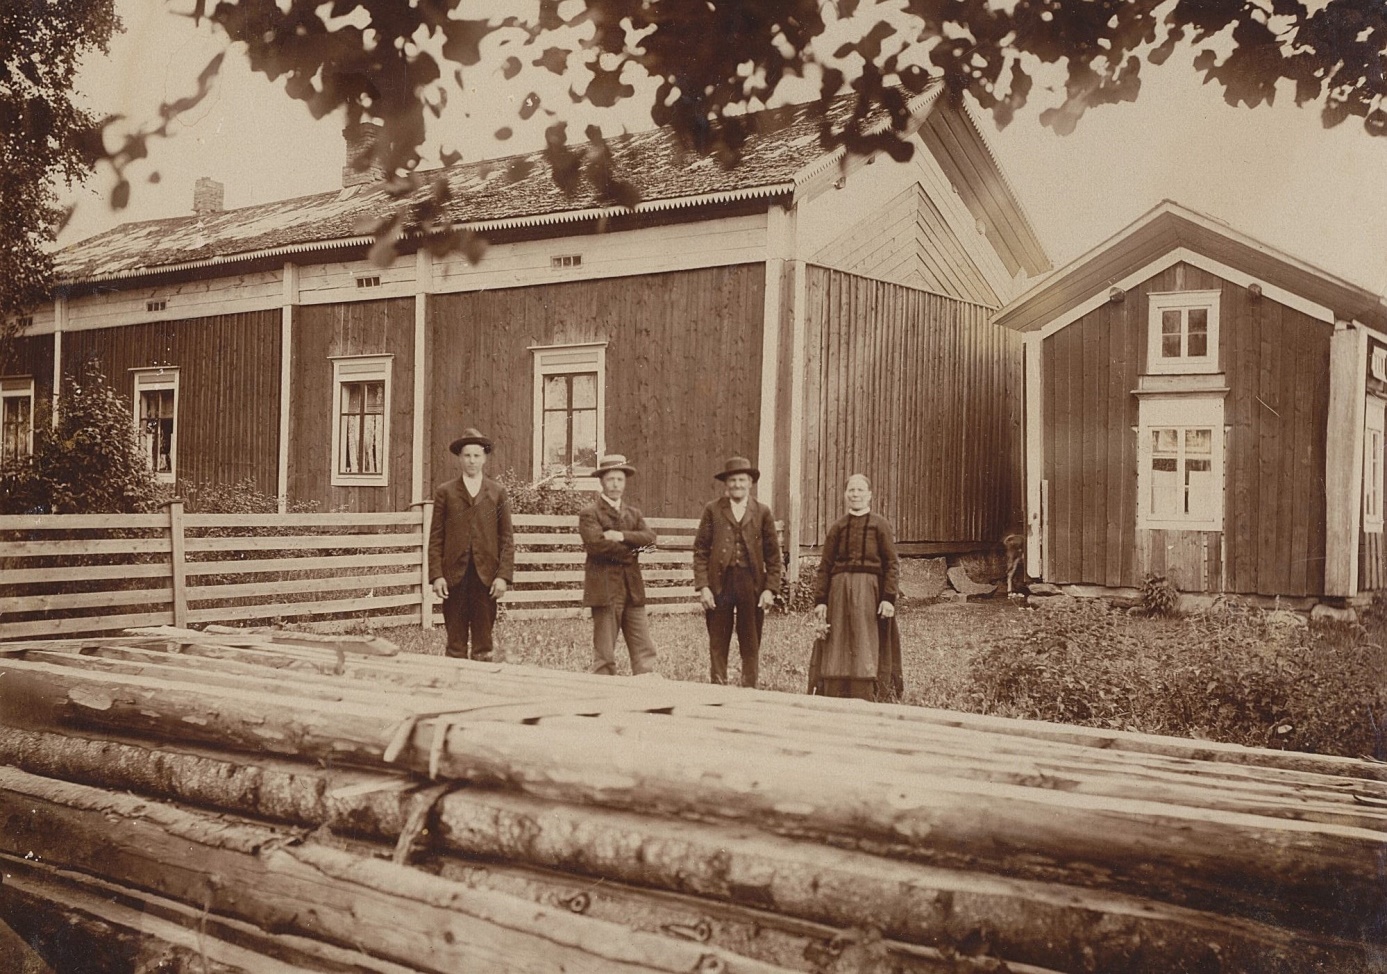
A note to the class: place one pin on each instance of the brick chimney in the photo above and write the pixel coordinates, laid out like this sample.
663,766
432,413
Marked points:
361,140
209,196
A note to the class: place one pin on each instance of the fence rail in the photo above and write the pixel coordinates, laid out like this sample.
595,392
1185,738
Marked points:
64,575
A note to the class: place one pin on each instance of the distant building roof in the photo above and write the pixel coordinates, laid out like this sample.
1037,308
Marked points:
513,191
1165,228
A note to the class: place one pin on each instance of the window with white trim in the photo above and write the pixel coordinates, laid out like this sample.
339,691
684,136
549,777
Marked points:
570,405
1182,332
156,420
16,418
1373,464
361,421
1180,464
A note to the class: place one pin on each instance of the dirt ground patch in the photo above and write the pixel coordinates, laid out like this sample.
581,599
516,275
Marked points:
937,642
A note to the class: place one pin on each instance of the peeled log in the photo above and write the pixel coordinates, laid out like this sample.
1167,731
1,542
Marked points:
259,875
1313,876
1060,926
85,926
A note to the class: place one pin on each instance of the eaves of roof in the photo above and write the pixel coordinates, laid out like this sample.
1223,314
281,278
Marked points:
1160,230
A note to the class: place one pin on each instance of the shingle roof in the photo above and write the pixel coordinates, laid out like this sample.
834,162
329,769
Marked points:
511,188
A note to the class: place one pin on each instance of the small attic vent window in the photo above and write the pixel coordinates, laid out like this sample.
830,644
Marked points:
369,280
24,321
159,305
566,260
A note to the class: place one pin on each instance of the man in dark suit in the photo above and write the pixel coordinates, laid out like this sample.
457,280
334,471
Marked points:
613,534
471,548
737,569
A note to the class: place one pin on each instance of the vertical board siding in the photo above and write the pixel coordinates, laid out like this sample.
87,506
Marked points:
1276,362
683,381
322,332
30,355
920,393
228,387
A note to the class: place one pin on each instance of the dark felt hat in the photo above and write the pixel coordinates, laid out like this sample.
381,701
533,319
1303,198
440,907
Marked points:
469,436
614,461
738,465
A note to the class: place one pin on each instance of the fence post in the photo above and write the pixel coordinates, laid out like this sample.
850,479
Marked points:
178,566
425,588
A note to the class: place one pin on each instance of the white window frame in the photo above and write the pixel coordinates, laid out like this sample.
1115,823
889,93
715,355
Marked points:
560,359
20,387
1183,301
360,368
158,379
1183,413
1374,445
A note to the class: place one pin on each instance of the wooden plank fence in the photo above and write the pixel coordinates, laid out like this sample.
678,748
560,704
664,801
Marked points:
62,575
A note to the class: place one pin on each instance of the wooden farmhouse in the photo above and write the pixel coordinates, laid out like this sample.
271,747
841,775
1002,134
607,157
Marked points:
1204,407
820,317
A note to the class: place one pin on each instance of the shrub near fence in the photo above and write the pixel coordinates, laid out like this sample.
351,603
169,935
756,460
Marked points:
68,575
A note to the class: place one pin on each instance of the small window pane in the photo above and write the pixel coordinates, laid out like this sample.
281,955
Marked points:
1199,442
1165,441
1170,334
556,392
584,441
351,397
555,446
1166,495
1165,464
1200,497
372,443
1199,332
585,391
375,397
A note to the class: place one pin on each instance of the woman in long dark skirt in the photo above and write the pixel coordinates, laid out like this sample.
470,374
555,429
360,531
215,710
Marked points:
855,592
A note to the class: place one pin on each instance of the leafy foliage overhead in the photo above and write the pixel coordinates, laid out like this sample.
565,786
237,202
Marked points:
711,60
44,138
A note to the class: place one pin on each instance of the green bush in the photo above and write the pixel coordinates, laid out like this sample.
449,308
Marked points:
1158,596
241,497
88,462
551,495
798,596
1234,674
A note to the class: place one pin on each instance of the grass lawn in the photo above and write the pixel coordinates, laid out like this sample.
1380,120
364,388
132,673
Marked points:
937,642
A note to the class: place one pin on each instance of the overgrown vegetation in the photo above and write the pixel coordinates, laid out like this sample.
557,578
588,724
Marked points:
88,462
1233,674
551,495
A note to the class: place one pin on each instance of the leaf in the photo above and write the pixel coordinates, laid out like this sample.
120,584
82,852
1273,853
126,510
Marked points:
554,59
511,67
120,195
503,133
528,107
463,40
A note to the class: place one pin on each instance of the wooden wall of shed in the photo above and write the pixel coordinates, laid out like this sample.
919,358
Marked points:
922,395
228,387
683,382
30,355
1276,362
322,332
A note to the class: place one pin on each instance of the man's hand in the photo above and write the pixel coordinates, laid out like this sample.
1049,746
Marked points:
613,535
705,595
767,600
821,612
498,588
440,587
886,610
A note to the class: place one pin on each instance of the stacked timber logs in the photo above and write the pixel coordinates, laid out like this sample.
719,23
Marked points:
224,802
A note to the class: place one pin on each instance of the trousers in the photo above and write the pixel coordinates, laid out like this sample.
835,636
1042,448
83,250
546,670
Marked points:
634,626
736,608
469,614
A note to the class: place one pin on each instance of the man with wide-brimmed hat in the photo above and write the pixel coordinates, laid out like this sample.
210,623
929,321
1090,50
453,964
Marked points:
613,535
471,549
737,569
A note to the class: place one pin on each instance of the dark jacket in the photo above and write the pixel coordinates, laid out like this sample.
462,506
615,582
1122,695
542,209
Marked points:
612,571
482,525
861,543
715,545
